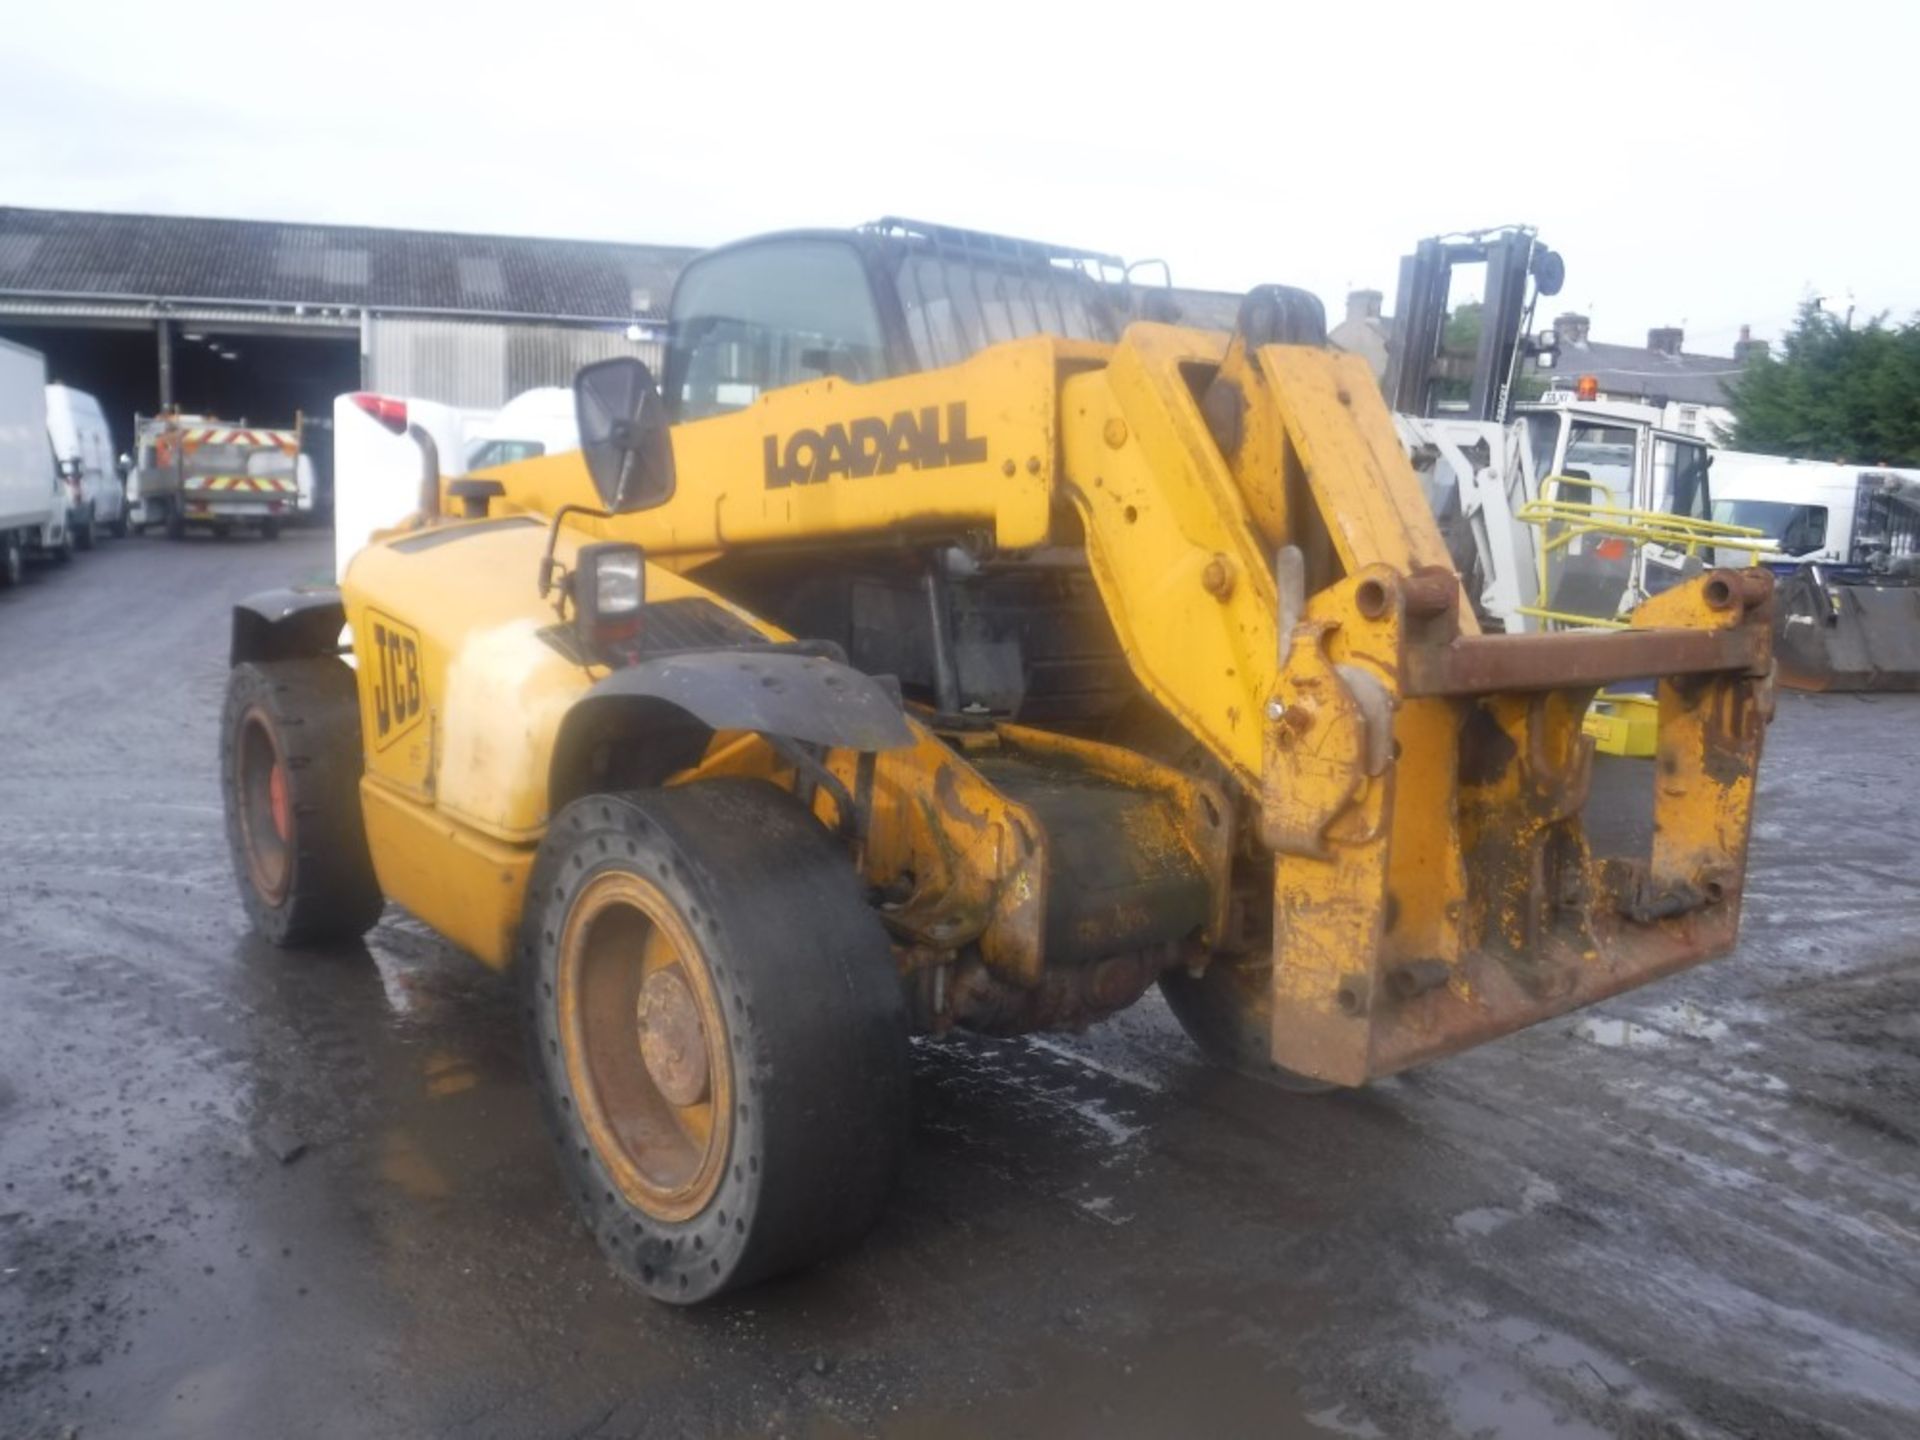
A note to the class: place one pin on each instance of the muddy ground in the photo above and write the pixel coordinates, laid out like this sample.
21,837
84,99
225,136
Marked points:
249,1193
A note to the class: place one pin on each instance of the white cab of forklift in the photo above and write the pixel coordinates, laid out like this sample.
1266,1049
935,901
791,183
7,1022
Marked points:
33,501
83,453
1481,477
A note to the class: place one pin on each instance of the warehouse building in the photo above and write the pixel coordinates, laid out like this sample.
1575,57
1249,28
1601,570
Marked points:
257,321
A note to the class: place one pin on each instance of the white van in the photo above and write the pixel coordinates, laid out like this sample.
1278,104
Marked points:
378,462
33,502
83,451
1820,513
533,423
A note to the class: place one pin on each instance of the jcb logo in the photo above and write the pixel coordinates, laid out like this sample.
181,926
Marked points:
915,439
397,695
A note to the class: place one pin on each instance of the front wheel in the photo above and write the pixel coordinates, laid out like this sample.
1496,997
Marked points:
718,1033
290,766
1228,1012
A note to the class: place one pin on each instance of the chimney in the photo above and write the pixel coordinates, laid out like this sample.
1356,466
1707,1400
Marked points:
1570,328
1666,340
1747,349
1363,305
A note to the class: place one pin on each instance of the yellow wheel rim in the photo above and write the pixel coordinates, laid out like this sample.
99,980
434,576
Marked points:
645,1045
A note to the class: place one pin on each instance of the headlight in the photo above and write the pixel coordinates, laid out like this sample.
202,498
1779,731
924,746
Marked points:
609,595
616,582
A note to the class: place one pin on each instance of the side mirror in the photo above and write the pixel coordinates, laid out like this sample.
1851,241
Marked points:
1549,270
624,434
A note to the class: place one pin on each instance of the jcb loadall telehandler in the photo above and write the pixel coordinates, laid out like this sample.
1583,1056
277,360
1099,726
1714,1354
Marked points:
929,652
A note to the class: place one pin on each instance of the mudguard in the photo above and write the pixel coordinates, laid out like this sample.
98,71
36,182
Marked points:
678,701
803,697
287,625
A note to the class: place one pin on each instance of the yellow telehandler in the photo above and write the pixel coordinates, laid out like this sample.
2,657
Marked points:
932,648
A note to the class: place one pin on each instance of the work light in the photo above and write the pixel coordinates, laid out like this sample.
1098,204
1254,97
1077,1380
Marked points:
609,594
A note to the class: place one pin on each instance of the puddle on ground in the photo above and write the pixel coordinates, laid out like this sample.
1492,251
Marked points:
1485,1219
1653,1029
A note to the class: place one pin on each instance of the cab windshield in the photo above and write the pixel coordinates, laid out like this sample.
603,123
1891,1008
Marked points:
1799,529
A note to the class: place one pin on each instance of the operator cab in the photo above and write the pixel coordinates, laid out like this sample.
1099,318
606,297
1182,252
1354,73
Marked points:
1614,455
890,298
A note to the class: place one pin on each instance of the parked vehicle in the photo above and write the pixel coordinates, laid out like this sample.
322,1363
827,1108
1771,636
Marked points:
388,451
33,502
1569,512
380,440
194,470
1847,615
760,733
533,423
83,454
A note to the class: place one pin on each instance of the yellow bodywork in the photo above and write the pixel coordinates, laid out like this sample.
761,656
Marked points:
1406,792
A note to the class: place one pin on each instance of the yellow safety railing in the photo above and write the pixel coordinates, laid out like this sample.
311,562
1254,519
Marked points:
1577,519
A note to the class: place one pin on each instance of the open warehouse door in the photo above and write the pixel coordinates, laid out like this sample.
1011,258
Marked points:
275,377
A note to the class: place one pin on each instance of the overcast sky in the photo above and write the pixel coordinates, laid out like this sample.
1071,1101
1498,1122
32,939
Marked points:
1698,164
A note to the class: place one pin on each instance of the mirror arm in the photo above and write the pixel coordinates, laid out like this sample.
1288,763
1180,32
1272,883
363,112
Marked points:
550,567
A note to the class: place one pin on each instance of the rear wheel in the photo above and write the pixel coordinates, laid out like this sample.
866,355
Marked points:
176,522
13,562
290,772
270,529
1228,1012
718,1033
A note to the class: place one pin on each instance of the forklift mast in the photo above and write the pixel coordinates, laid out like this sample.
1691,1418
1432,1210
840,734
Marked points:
1418,360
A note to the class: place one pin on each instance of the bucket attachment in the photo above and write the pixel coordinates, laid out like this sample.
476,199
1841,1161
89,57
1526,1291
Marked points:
1847,635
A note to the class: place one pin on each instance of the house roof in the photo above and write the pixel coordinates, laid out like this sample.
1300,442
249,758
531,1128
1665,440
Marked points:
87,255
1627,370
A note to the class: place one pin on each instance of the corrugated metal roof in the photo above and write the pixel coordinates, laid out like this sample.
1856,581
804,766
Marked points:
166,257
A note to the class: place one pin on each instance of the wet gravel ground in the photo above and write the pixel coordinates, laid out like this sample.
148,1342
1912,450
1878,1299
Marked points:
253,1193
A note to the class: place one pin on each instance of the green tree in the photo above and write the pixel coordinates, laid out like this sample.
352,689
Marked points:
1461,342
1834,392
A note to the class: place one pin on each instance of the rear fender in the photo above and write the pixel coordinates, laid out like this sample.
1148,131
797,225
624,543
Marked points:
287,625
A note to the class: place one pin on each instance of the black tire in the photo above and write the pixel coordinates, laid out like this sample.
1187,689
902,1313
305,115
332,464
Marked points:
13,563
1227,1011
301,860
176,521
270,529
118,529
83,536
803,1028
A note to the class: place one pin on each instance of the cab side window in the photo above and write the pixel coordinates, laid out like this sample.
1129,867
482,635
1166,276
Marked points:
770,315
1806,532
1680,479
